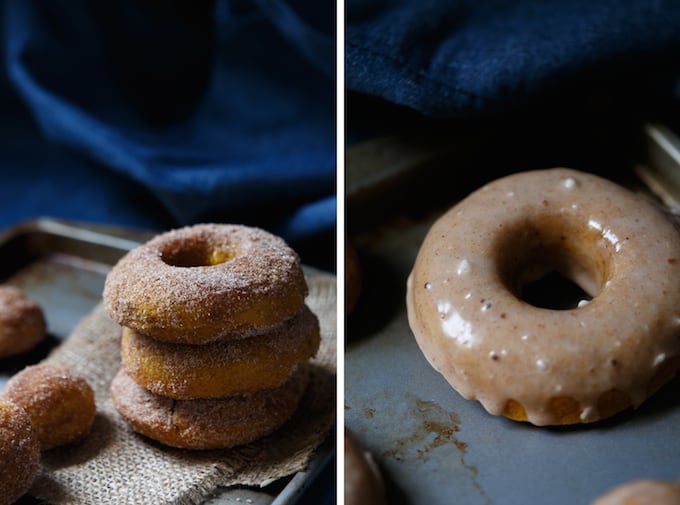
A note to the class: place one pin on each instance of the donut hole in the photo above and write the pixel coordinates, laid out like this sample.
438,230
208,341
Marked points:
554,291
552,264
196,254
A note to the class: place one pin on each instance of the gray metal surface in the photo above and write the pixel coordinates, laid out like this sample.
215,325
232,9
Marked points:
63,267
435,448
433,445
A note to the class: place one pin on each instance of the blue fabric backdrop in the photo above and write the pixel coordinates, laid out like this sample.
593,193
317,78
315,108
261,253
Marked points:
163,113
479,59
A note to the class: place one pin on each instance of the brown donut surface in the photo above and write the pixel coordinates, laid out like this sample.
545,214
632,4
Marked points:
22,324
224,368
60,403
206,282
642,492
363,483
536,364
19,453
207,424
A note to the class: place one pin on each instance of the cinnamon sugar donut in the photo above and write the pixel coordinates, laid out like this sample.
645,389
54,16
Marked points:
19,453
220,369
22,324
550,366
60,403
642,492
207,424
206,282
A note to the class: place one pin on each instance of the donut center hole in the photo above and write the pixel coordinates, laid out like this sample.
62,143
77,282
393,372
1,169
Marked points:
197,255
554,291
552,265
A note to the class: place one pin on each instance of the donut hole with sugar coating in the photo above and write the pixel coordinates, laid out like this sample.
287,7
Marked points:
59,402
22,322
19,452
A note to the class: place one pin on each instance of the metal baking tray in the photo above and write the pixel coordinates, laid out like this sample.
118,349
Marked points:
63,265
432,445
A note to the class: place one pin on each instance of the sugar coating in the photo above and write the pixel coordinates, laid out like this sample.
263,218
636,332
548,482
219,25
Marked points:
219,369
22,323
60,403
19,453
207,424
227,281
602,356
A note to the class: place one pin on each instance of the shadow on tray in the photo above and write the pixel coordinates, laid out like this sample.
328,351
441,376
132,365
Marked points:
10,366
382,297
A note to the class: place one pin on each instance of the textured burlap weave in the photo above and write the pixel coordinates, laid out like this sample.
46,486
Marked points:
115,465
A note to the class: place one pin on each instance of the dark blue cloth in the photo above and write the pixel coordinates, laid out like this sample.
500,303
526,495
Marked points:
160,113
480,59
165,113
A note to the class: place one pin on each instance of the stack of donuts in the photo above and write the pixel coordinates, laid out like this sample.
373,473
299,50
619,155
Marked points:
216,335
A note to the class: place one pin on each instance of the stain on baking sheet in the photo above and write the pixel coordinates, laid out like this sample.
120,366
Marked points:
434,427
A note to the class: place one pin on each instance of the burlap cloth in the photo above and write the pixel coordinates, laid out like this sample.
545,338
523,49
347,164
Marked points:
115,465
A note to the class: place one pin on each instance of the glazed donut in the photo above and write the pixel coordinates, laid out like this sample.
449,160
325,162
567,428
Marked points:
642,492
19,453
221,369
363,483
206,282
22,324
60,403
207,424
465,306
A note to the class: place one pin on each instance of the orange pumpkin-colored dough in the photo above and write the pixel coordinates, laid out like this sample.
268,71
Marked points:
219,369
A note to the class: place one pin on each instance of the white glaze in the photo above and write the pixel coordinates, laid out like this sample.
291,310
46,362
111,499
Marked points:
629,261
